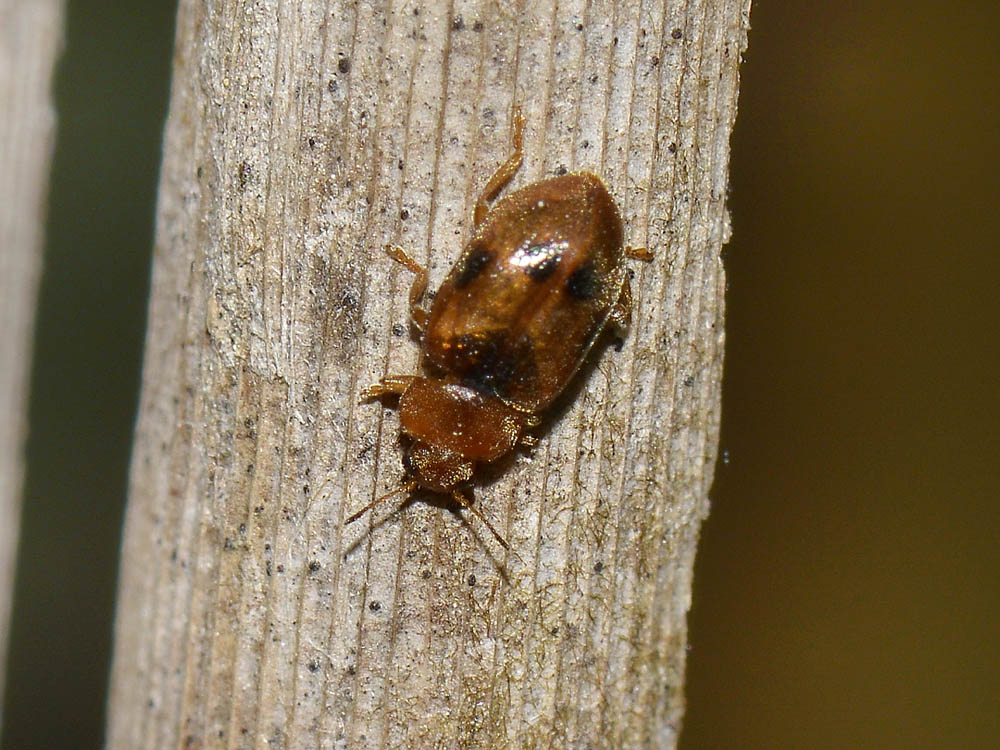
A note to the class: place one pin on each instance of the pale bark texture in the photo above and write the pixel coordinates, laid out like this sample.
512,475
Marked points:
302,138
30,40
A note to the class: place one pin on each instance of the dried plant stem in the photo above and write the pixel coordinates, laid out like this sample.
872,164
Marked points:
301,142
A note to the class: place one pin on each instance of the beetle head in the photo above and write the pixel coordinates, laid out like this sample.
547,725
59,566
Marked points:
436,469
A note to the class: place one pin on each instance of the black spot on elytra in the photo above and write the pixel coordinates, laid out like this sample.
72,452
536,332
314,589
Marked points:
490,363
582,283
472,265
542,261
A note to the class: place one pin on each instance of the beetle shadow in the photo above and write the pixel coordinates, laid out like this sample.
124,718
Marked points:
488,474
610,338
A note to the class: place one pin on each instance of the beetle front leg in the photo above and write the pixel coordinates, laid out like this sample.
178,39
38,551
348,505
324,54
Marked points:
418,314
504,173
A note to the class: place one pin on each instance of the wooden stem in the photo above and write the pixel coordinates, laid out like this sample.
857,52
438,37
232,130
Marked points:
300,142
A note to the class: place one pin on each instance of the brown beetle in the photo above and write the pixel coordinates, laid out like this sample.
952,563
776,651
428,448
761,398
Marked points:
539,280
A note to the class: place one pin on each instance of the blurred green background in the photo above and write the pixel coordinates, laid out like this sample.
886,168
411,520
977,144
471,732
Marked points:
847,591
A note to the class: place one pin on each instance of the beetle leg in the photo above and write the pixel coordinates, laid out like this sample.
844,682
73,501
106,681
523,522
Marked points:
504,173
462,500
621,313
394,385
417,313
639,253
528,441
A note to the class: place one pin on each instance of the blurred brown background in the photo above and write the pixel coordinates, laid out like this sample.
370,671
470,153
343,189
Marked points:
847,591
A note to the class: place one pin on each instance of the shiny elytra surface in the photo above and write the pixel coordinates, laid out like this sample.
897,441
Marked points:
530,293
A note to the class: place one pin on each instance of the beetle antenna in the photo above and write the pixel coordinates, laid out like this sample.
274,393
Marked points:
405,487
318,492
464,502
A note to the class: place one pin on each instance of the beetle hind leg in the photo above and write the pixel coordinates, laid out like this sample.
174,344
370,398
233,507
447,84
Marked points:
505,172
418,313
